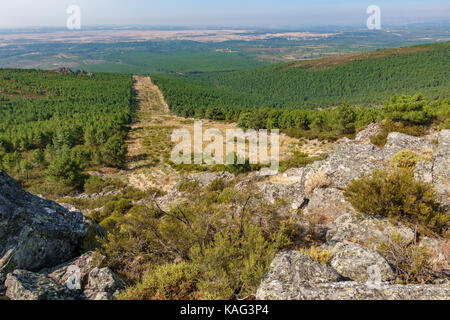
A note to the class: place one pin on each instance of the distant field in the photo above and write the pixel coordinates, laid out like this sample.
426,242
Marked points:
196,51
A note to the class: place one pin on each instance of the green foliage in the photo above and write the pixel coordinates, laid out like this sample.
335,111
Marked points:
299,160
233,264
404,159
397,195
66,170
45,114
228,248
389,126
216,185
172,281
412,263
114,152
188,186
358,82
410,109
317,254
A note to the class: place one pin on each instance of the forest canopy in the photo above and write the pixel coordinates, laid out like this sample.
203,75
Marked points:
59,124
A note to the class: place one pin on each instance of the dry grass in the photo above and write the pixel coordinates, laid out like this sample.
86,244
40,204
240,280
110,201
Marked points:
317,180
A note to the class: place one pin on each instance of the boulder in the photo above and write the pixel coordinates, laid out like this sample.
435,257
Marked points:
357,263
329,204
84,275
289,270
41,232
349,290
365,230
26,285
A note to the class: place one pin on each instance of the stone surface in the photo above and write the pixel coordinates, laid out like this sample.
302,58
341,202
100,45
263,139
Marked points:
370,131
441,168
84,276
327,204
291,269
366,230
356,291
26,285
41,232
356,262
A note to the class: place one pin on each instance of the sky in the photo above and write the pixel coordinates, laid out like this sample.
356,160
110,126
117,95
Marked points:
233,13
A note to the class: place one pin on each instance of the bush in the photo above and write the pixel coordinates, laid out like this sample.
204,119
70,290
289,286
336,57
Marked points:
231,246
115,152
188,186
411,262
94,184
217,185
66,170
299,160
167,282
405,159
317,254
389,126
397,195
233,264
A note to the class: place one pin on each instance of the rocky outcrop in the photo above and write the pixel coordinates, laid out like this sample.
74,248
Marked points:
356,262
41,232
294,276
441,168
85,276
356,291
290,270
26,285
365,229
80,279
352,238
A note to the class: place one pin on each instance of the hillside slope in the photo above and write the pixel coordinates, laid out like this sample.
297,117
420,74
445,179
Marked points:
364,79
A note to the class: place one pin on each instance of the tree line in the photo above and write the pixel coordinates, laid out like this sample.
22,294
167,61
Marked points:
60,124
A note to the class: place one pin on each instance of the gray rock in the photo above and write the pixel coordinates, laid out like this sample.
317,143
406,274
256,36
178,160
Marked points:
205,178
26,285
356,262
103,284
441,168
329,204
84,275
365,230
424,171
356,291
398,141
291,269
372,130
42,232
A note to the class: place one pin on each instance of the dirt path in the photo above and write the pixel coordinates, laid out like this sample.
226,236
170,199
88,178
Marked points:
149,141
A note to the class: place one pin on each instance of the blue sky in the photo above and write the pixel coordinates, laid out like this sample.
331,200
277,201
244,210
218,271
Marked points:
264,13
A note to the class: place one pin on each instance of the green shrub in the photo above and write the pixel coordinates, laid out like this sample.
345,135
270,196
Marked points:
94,184
233,264
397,195
411,262
216,185
404,159
299,160
66,170
188,186
167,282
389,126
317,254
